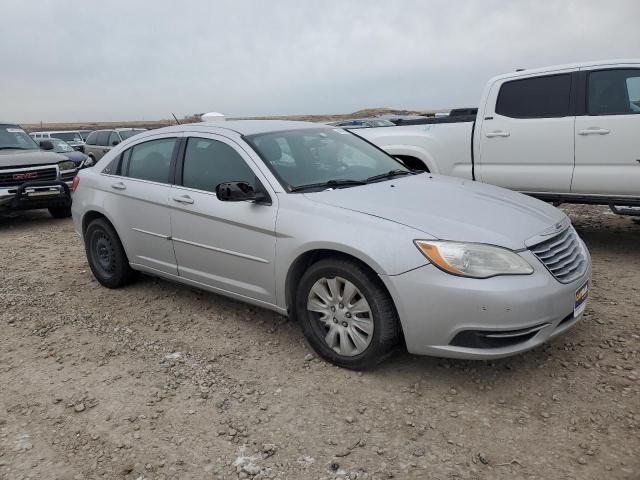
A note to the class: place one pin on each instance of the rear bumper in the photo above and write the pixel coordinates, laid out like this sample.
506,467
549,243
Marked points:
33,195
448,316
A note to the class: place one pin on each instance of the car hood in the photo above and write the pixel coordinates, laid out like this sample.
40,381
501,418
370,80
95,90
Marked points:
26,158
76,157
449,208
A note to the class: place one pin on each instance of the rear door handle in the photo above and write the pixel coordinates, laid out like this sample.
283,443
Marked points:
183,199
594,131
119,186
497,133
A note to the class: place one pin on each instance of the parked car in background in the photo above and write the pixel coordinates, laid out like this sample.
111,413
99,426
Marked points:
312,221
31,178
60,146
72,137
100,142
363,123
561,134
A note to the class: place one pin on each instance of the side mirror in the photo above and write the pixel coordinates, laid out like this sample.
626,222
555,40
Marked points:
241,192
114,143
88,162
46,145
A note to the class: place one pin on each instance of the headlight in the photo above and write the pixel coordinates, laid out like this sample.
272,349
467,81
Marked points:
475,260
68,165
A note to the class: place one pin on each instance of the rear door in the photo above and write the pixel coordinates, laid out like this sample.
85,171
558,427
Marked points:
607,133
229,246
137,201
526,134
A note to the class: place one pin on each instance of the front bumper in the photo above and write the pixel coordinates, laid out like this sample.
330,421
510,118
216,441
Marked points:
440,312
34,195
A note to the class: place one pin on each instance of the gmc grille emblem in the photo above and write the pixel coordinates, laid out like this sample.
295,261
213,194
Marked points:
25,176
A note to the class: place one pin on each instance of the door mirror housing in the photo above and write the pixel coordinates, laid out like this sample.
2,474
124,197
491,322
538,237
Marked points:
46,144
242,192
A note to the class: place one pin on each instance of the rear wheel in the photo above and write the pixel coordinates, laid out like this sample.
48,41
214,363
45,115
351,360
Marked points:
60,212
346,314
107,258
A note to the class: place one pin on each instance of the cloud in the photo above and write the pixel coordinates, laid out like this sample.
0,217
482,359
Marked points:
68,60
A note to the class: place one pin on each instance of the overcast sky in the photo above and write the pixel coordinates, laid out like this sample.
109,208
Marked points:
67,60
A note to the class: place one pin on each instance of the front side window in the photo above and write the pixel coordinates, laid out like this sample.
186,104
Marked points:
538,97
320,156
114,139
149,160
208,163
103,138
613,92
125,134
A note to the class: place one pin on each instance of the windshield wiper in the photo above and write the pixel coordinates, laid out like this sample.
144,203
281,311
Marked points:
15,148
389,174
329,184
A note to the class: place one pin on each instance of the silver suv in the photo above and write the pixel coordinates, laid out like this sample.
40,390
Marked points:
100,142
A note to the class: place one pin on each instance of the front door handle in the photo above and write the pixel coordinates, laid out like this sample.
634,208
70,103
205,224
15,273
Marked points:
183,199
497,133
594,131
119,186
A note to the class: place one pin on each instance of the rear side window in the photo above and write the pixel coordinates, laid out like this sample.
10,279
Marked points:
91,139
149,160
539,97
613,92
208,163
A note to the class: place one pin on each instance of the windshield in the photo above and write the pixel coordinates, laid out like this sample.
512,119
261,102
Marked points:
320,156
60,146
124,134
68,136
15,138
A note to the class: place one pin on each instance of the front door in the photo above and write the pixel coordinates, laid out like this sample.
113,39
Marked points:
229,246
607,135
526,141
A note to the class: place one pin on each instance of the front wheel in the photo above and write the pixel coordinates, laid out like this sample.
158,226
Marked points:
60,212
346,314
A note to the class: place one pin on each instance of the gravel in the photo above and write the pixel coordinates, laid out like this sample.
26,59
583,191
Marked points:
160,381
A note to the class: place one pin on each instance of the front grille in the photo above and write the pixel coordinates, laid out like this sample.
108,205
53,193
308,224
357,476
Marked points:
16,177
563,255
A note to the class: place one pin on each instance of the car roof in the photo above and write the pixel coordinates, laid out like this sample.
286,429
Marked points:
9,125
250,127
569,66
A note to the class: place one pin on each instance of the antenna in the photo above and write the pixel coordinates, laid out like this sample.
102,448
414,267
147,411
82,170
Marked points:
175,118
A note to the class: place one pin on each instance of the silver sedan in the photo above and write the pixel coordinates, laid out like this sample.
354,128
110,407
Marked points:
313,222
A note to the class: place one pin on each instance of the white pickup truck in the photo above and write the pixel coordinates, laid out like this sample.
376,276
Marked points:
569,134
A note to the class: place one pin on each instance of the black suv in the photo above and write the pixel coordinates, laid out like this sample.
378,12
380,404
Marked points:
31,178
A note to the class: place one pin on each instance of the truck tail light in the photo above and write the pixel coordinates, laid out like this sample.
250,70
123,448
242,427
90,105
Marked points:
74,185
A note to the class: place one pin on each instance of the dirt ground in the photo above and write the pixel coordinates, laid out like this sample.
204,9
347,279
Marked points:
160,381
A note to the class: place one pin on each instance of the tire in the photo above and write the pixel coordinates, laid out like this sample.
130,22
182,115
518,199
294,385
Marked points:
346,316
106,256
60,212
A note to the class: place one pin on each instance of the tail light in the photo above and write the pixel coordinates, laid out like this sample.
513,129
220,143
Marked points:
74,185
